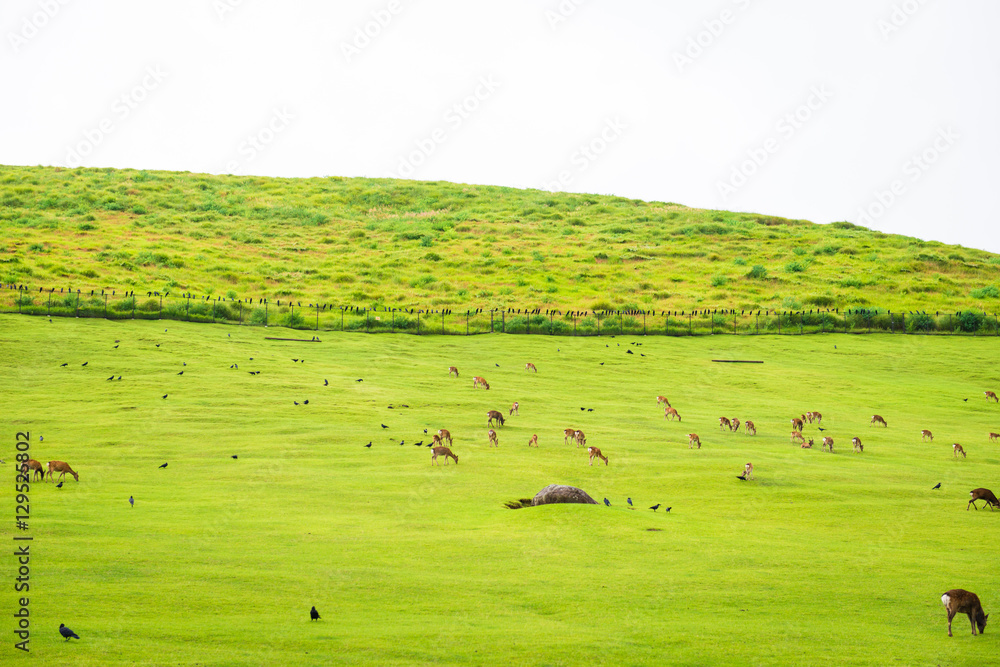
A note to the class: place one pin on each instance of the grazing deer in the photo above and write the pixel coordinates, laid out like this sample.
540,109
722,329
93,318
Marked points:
442,451
796,424
828,442
750,428
748,471
513,410
926,435
858,447
61,467
530,367
595,452
436,440
444,434
494,416
671,412
725,423
452,371
797,435
693,440
989,395
533,441
809,417
479,382
957,449
877,419
994,436
493,437
581,439
736,425
983,494
808,445
662,399
567,434
958,601
36,466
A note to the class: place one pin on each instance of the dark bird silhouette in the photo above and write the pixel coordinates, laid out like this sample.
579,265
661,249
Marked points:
590,409
119,377
116,347
61,365
326,383
821,428
628,351
936,486
668,509
165,395
655,507
163,466
369,445
297,360
384,426
607,502
602,363
402,442
360,380
85,363
295,402
629,502
425,430
112,377
67,633
131,501
582,409
964,399
158,345
497,365
181,373
743,477
235,456
313,614
420,444
59,485
305,402
184,363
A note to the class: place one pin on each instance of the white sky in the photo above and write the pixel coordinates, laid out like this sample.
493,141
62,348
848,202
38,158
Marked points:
903,94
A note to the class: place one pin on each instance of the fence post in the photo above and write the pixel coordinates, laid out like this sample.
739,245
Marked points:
265,312
690,330
734,321
492,311
442,321
619,323
49,310
187,309
757,325
418,322
466,322
317,317
76,310
366,319
213,307
666,324
598,323
574,323
503,321
779,324
105,306
527,322
133,305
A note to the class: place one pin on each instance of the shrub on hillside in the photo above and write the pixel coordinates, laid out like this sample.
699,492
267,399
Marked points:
920,322
970,321
989,292
796,267
758,272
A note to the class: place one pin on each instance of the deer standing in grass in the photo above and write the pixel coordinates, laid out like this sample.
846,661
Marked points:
748,471
595,452
452,371
513,409
796,424
982,494
670,412
957,449
478,381
36,466
693,440
494,416
926,435
828,442
61,467
493,438
530,367
797,435
994,436
858,447
989,395
735,425
444,434
567,434
959,601
581,439
750,428
662,399
725,423
877,419
533,440
442,451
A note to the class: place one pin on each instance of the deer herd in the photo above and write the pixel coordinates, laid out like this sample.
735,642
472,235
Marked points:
35,467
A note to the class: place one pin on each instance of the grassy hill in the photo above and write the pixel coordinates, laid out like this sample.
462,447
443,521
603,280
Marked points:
433,244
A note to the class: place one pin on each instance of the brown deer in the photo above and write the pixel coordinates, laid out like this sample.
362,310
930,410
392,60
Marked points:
957,449
61,467
959,601
808,445
530,367
796,424
513,409
797,435
494,416
725,423
750,428
671,412
533,440
444,434
989,395
581,439
480,382
994,436
809,417
36,466
828,442
493,437
662,399
595,452
442,451
877,419
982,494
736,425
452,371
567,434
693,440
858,447
747,471
926,435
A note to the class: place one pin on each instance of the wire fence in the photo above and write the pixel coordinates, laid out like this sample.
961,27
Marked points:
123,305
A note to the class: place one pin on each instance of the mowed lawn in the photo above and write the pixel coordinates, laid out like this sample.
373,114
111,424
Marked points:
824,559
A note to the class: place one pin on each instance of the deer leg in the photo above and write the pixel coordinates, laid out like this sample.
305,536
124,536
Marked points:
973,621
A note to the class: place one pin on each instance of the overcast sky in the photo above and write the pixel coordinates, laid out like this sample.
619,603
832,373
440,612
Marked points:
880,112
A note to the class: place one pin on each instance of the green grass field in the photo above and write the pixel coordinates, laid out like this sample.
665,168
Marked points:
824,559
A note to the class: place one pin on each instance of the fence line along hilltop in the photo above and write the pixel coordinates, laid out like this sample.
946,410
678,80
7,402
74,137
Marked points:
124,304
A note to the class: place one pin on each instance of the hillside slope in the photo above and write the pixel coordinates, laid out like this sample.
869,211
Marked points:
388,242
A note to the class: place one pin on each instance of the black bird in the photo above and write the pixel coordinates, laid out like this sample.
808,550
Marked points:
641,354
668,509
582,409
628,351
607,502
655,507
326,383
305,402
67,633
590,409
369,445
165,395
235,456
295,402
384,426
297,360
360,380
821,428
163,466
66,364
602,363
425,430
420,444
937,486
430,444
131,501
112,377
629,502
964,399
181,373
743,477
313,614
158,345
402,442
184,363
59,486
116,347
85,363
